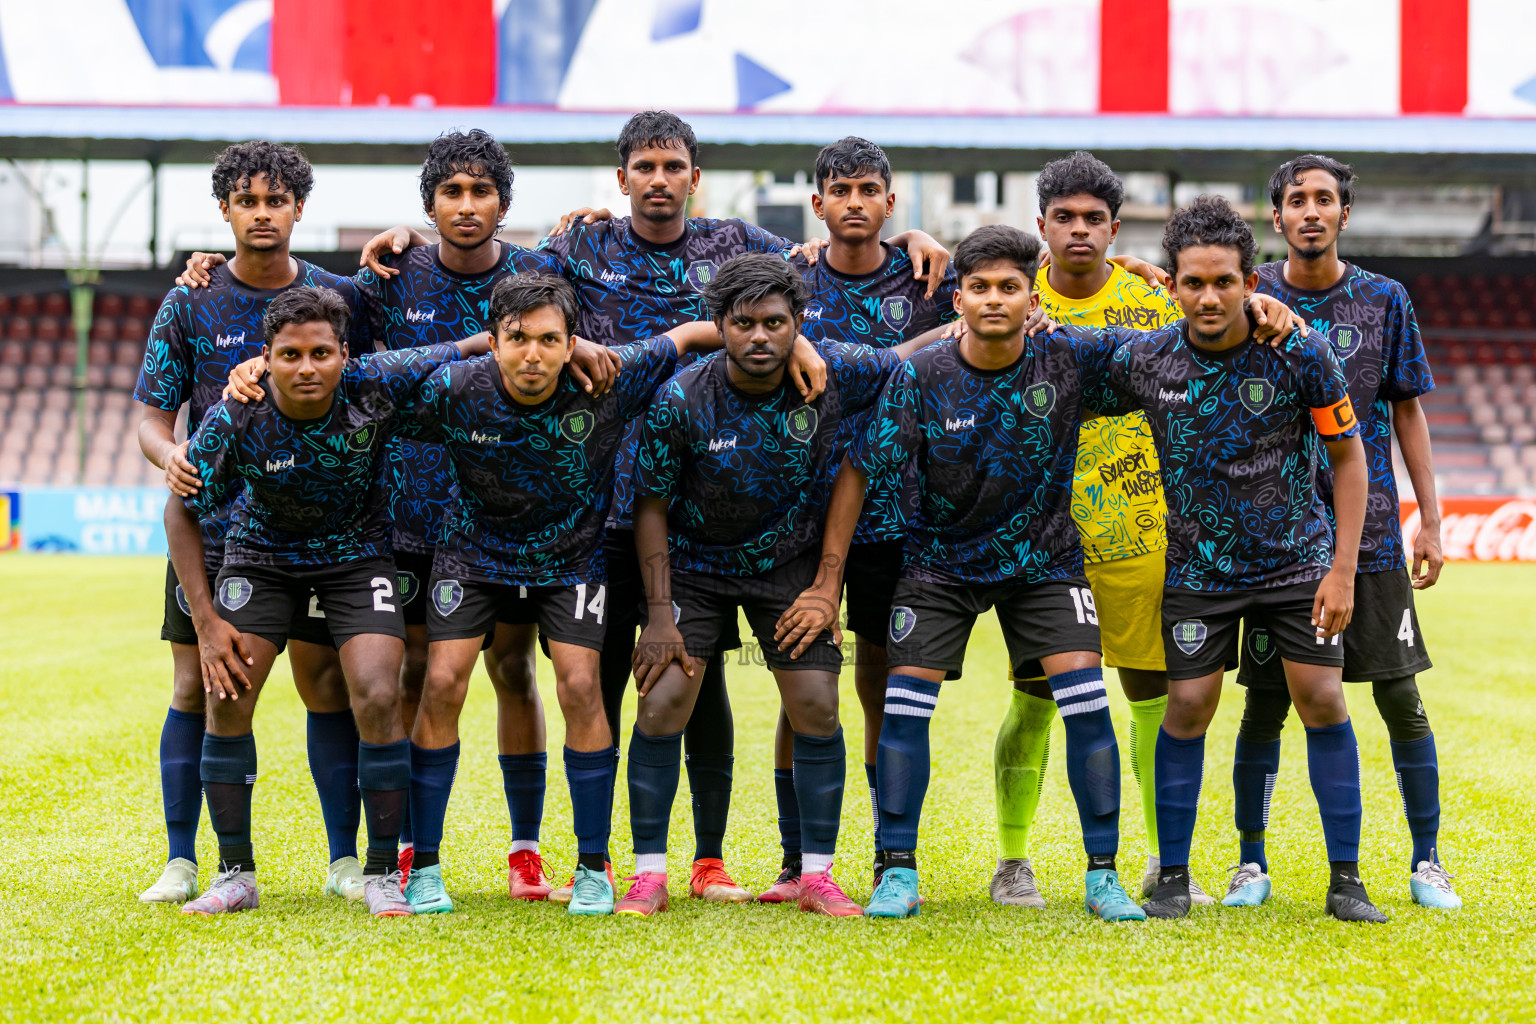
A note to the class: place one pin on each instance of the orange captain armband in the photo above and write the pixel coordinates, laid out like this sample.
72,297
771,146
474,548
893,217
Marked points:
1335,420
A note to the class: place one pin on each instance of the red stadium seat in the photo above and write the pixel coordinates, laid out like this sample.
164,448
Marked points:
26,305
5,305
13,353
1439,318
19,329
1495,318
50,328
140,306
55,304
39,354
104,328
134,329
109,305
62,376
99,353
1515,353
122,377
128,353
1522,319
1468,318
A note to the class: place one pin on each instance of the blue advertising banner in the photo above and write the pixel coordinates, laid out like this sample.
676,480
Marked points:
92,520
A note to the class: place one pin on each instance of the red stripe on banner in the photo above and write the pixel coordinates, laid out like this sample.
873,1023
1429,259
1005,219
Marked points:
1433,71
1133,56
370,52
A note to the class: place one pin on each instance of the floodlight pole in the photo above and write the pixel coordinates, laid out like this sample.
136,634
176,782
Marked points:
82,294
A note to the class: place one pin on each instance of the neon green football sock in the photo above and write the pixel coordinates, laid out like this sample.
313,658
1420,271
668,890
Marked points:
1018,765
1146,720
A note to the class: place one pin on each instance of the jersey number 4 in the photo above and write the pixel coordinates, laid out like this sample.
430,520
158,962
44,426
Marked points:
1405,630
598,602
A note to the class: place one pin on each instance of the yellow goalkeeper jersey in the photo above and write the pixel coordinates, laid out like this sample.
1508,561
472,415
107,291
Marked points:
1117,492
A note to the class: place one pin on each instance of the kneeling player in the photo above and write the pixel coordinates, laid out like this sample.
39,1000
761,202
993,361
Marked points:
532,453
313,521
1248,534
731,482
990,424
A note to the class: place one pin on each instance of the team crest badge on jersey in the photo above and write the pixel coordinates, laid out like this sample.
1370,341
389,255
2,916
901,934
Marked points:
896,312
1256,394
1260,646
701,272
1189,635
181,601
447,595
903,621
361,439
408,584
234,593
802,423
1346,339
1040,399
577,426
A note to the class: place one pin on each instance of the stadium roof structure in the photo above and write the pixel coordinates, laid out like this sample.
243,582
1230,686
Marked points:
1404,150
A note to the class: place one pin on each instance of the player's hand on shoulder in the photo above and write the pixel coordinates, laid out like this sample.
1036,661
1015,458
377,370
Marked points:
813,613
199,269
953,331
594,367
660,645
180,475
391,240
1273,320
582,215
807,369
1038,321
1148,272
1334,604
1428,558
242,385
224,659
810,249
930,260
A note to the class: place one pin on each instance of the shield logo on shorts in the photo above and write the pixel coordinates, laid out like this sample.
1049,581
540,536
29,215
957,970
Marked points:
1261,647
576,427
1040,399
1189,635
181,601
234,592
446,595
903,621
801,424
701,272
1256,394
1346,339
896,312
361,439
408,584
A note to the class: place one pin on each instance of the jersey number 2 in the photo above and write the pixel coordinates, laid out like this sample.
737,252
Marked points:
383,590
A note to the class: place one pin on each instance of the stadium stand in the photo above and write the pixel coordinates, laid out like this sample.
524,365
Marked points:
1480,329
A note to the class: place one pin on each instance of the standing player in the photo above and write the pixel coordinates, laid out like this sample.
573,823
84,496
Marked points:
197,338
1248,533
860,292
990,423
1369,320
532,454
731,479
313,521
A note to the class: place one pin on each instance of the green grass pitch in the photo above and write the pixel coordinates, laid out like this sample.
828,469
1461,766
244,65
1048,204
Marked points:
83,690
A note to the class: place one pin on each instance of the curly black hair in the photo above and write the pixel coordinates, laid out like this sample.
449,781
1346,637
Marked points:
474,152
656,128
997,243
851,158
752,277
1290,172
1209,220
518,294
285,167
1080,173
306,305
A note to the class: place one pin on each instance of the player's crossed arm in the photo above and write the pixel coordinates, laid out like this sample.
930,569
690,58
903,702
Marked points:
815,610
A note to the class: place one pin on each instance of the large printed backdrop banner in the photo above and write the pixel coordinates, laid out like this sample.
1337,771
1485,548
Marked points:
1374,58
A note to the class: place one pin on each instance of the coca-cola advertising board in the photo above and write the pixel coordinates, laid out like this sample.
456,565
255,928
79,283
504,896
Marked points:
1480,529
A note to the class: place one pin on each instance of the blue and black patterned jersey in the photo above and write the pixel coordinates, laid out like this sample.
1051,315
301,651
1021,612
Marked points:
426,304
748,476
200,335
533,481
312,494
1237,435
632,289
881,309
1369,321
994,452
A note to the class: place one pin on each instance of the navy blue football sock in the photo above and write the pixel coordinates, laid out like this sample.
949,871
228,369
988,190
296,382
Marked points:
229,775
1179,766
522,778
384,777
821,769
590,777
607,853
1418,779
789,810
432,775
901,759
1333,762
1093,756
1254,769
181,781
653,769
331,737
874,803
709,777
